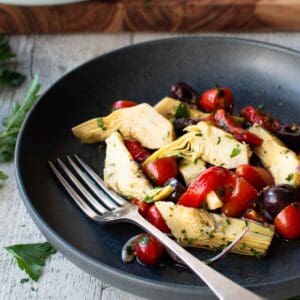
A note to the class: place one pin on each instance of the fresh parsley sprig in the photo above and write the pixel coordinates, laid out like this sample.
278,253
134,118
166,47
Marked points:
8,77
13,123
31,257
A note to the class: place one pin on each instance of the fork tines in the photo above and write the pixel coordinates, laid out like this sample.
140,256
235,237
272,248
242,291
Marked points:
86,188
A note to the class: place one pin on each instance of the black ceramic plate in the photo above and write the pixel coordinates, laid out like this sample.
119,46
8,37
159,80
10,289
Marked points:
257,73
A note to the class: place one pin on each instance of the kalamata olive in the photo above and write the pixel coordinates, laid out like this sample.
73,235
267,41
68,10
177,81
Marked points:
184,92
179,190
180,124
276,198
290,135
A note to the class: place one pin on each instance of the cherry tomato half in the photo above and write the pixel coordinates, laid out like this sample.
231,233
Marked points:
148,250
123,104
155,218
239,196
257,176
143,207
287,222
161,170
216,98
137,151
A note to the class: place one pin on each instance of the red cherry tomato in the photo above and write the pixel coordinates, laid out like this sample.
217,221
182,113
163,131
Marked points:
257,176
207,181
148,250
155,218
238,197
161,170
216,98
137,151
253,115
287,222
143,207
226,122
252,214
123,104
238,194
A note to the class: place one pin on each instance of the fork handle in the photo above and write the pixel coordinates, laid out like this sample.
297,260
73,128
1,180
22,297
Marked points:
223,287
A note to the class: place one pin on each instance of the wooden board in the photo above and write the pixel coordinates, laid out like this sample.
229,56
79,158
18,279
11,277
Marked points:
152,15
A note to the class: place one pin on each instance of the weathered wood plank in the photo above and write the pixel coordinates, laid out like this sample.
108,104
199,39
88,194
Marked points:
155,15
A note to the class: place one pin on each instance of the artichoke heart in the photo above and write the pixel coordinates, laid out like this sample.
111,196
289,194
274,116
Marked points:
123,175
282,162
141,122
168,106
191,169
211,144
202,229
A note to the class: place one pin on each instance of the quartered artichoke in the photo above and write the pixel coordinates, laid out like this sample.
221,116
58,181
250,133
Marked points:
282,162
123,175
213,145
141,123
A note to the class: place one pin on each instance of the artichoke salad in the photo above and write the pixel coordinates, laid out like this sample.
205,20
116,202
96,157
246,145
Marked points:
196,171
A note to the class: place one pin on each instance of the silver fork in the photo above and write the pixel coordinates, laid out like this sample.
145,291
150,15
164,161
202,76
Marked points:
109,207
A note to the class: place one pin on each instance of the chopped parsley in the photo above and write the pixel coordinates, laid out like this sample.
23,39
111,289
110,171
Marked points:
229,136
182,111
100,124
289,177
199,134
235,152
148,199
196,160
183,231
129,250
218,140
143,240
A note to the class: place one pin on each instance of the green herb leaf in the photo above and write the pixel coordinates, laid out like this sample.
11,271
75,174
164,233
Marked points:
289,177
182,111
100,124
3,176
143,240
10,78
31,257
5,51
235,152
148,199
218,140
13,123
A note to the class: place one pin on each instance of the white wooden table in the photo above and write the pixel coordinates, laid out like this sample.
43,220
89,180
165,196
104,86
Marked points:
50,57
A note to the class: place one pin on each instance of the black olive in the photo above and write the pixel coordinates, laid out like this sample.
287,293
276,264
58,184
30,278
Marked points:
184,92
180,124
276,198
290,135
179,190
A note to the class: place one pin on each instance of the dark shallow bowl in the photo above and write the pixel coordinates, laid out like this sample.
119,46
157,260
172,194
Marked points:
257,73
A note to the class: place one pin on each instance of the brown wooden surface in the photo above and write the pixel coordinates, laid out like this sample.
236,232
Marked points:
155,15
